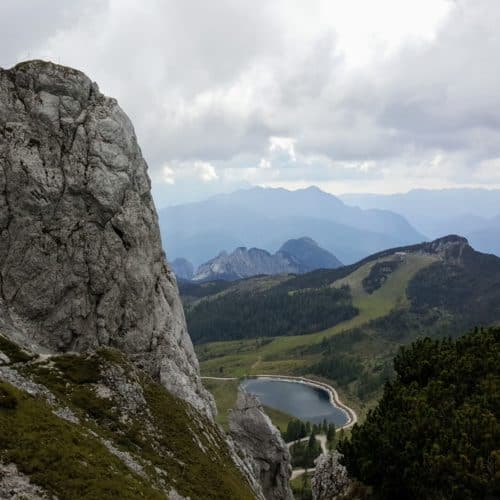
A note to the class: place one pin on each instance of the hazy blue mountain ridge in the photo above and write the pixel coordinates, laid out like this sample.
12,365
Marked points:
264,218
471,212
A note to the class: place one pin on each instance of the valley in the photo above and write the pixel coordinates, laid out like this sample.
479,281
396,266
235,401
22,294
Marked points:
397,300
284,355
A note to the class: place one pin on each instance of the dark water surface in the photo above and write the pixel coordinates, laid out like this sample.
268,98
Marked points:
300,400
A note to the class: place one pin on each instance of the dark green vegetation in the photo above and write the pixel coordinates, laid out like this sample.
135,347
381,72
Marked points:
301,487
13,351
467,286
304,453
159,434
297,429
379,274
274,312
192,291
436,432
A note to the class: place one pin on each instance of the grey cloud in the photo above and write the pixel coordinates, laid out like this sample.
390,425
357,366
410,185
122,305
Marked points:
213,81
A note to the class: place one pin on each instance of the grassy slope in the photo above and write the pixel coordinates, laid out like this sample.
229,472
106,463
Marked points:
279,356
70,461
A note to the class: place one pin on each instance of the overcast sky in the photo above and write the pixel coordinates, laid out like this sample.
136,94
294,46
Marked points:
351,95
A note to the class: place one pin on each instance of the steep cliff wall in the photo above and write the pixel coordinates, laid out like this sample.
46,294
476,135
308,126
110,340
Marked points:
81,261
261,447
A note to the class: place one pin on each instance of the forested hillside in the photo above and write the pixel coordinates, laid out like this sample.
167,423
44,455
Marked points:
271,313
436,431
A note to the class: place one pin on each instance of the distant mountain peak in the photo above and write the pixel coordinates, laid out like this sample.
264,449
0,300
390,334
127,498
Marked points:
295,256
303,239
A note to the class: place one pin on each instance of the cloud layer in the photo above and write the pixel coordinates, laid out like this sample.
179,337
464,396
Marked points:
352,96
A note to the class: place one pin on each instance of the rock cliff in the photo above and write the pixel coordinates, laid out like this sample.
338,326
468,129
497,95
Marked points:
93,341
81,261
261,446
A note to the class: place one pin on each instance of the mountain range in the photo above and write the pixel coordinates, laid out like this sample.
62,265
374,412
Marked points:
475,213
294,257
265,217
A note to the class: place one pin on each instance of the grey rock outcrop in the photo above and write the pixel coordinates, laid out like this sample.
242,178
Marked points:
16,486
330,479
243,263
81,261
261,446
449,248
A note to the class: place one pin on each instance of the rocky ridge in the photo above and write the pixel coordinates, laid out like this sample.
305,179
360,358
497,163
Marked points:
182,268
93,340
296,256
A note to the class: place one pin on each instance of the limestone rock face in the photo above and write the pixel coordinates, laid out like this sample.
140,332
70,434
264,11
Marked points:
17,486
261,446
330,478
81,261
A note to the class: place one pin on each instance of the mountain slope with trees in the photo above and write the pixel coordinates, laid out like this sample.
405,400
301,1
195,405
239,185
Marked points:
436,431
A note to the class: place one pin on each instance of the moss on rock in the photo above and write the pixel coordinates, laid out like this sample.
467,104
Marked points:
13,351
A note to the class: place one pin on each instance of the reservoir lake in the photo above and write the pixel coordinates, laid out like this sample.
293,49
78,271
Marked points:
301,400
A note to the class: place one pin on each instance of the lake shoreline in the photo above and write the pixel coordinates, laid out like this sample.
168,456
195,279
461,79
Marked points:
334,398
335,401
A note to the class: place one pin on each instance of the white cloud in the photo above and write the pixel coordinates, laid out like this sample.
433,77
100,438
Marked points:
287,144
265,163
168,175
205,171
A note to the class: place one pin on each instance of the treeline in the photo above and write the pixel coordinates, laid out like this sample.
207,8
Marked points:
298,429
268,313
436,431
342,368
379,273
364,376
188,289
304,453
